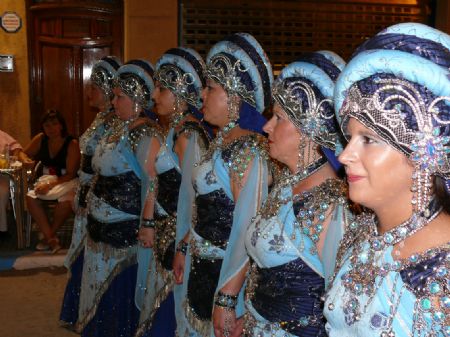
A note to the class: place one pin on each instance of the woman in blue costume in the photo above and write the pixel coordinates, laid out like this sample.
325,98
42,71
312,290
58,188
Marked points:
291,239
99,96
230,182
179,80
392,275
117,201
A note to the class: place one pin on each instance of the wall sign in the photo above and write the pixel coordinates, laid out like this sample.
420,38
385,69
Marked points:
7,63
11,22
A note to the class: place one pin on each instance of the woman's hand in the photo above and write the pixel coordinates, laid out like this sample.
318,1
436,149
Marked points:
239,328
224,321
178,267
43,188
146,237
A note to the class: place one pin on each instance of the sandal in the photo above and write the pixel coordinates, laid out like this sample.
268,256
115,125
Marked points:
55,245
42,245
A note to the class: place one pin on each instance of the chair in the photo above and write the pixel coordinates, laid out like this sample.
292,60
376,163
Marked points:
64,233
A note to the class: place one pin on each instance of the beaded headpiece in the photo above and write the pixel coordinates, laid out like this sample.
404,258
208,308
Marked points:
304,89
405,98
182,71
103,74
240,65
135,80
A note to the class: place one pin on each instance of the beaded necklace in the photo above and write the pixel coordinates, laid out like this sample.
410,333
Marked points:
315,204
239,160
275,200
368,269
364,229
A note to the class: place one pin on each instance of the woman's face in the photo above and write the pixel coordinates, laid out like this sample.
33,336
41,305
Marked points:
215,104
284,138
52,128
123,105
379,176
96,97
164,100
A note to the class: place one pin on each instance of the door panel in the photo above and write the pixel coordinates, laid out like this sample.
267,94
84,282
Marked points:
58,80
90,56
66,37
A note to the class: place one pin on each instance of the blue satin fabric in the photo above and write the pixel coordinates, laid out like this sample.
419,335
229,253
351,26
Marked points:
214,222
116,302
168,187
209,176
71,299
88,142
74,258
332,158
431,50
150,282
320,60
405,286
86,164
214,217
254,53
173,178
250,118
111,190
291,281
164,320
109,274
288,292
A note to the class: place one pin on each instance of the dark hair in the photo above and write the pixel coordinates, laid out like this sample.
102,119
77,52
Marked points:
441,194
54,114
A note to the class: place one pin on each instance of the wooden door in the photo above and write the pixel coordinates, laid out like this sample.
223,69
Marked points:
65,39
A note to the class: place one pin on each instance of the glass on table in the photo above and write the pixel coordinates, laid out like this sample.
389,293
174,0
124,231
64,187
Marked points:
4,161
14,162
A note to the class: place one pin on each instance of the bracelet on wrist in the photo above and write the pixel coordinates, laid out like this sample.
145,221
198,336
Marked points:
226,301
182,247
148,223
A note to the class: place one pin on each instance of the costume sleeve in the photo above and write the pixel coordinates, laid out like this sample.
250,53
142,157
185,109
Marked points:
253,193
335,232
144,255
186,196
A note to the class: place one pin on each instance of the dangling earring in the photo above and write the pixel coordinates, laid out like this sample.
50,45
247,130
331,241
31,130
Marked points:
178,113
301,154
233,113
135,110
421,188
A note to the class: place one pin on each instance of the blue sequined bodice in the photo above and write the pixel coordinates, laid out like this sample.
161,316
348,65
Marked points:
409,298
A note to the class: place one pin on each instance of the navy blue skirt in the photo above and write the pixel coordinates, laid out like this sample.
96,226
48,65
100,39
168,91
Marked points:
71,300
164,323
116,315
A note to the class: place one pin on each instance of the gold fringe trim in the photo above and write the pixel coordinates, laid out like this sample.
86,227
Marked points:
66,325
81,323
81,212
168,279
77,251
203,327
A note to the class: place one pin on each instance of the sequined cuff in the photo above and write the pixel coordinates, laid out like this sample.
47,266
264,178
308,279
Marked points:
148,223
182,247
225,301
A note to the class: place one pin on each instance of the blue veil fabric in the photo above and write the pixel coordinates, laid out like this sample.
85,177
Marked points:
250,118
245,208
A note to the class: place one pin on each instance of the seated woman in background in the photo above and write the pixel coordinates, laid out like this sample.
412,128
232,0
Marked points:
60,156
